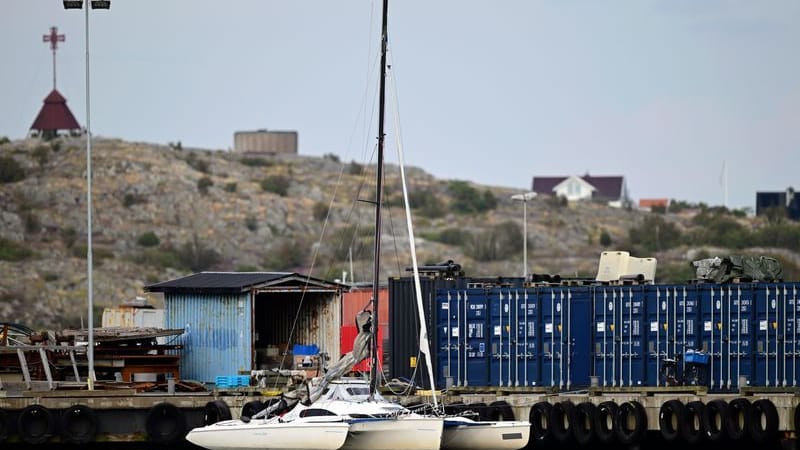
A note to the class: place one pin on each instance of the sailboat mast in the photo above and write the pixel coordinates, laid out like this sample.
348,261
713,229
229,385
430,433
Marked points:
373,384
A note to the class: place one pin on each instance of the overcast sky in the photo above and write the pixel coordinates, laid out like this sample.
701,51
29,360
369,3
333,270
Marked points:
494,92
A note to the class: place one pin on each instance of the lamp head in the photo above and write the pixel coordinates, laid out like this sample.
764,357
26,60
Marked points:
73,4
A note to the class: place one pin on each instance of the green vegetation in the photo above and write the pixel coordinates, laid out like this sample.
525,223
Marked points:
4,140
68,236
289,253
196,257
426,203
450,236
41,154
331,157
230,187
161,258
277,184
499,242
320,211
131,199
196,163
148,239
255,162
466,199
10,170
605,239
355,168
653,235
13,251
251,223
203,184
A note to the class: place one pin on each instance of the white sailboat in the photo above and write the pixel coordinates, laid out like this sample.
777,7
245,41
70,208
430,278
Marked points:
335,413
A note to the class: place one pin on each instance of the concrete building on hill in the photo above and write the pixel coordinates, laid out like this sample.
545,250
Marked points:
263,141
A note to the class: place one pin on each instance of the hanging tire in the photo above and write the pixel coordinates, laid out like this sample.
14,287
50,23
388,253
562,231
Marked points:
165,424
4,425
454,409
605,419
539,417
583,423
480,409
36,424
501,411
78,424
216,411
692,423
630,423
763,422
669,420
250,408
715,415
561,421
797,420
738,420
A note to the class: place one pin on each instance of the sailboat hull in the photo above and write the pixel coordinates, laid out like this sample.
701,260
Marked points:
473,435
273,435
399,433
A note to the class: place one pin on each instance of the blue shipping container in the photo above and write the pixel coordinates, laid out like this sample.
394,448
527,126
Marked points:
461,338
619,331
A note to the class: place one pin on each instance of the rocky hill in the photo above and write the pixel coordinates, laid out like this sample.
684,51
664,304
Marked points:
160,212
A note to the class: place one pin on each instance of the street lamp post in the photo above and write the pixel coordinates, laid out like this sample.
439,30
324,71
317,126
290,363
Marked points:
524,199
96,4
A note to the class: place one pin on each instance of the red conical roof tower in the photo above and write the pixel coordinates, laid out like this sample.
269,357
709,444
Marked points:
55,114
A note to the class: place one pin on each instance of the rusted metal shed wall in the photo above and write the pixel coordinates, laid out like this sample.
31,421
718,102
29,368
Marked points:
217,336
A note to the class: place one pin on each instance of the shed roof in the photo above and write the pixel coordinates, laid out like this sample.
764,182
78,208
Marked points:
234,282
55,114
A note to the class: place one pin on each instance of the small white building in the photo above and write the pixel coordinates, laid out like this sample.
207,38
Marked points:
610,189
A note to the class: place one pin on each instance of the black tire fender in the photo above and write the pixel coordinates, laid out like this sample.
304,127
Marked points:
714,417
454,409
252,407
4,425
630,424
480,409
501,411
738,420
78,424
583,423
692,422
605,419
36,424
165,424
561,421
766,432
216,411
539,417
797,420
669,420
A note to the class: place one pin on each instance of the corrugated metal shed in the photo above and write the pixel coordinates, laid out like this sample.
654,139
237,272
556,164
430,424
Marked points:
233,319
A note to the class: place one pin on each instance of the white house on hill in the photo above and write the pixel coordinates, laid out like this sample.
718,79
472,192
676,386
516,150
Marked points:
611,190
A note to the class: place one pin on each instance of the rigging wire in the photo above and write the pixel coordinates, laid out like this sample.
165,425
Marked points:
338,183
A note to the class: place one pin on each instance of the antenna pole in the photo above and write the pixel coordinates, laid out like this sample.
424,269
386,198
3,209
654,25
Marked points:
373,384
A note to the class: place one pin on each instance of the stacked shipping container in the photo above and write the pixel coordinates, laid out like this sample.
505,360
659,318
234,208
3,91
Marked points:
625,336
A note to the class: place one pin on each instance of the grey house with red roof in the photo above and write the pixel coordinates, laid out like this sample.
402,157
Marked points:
608,189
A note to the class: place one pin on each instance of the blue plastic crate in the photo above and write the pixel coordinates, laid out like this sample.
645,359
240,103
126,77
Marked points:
232,381
696,357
